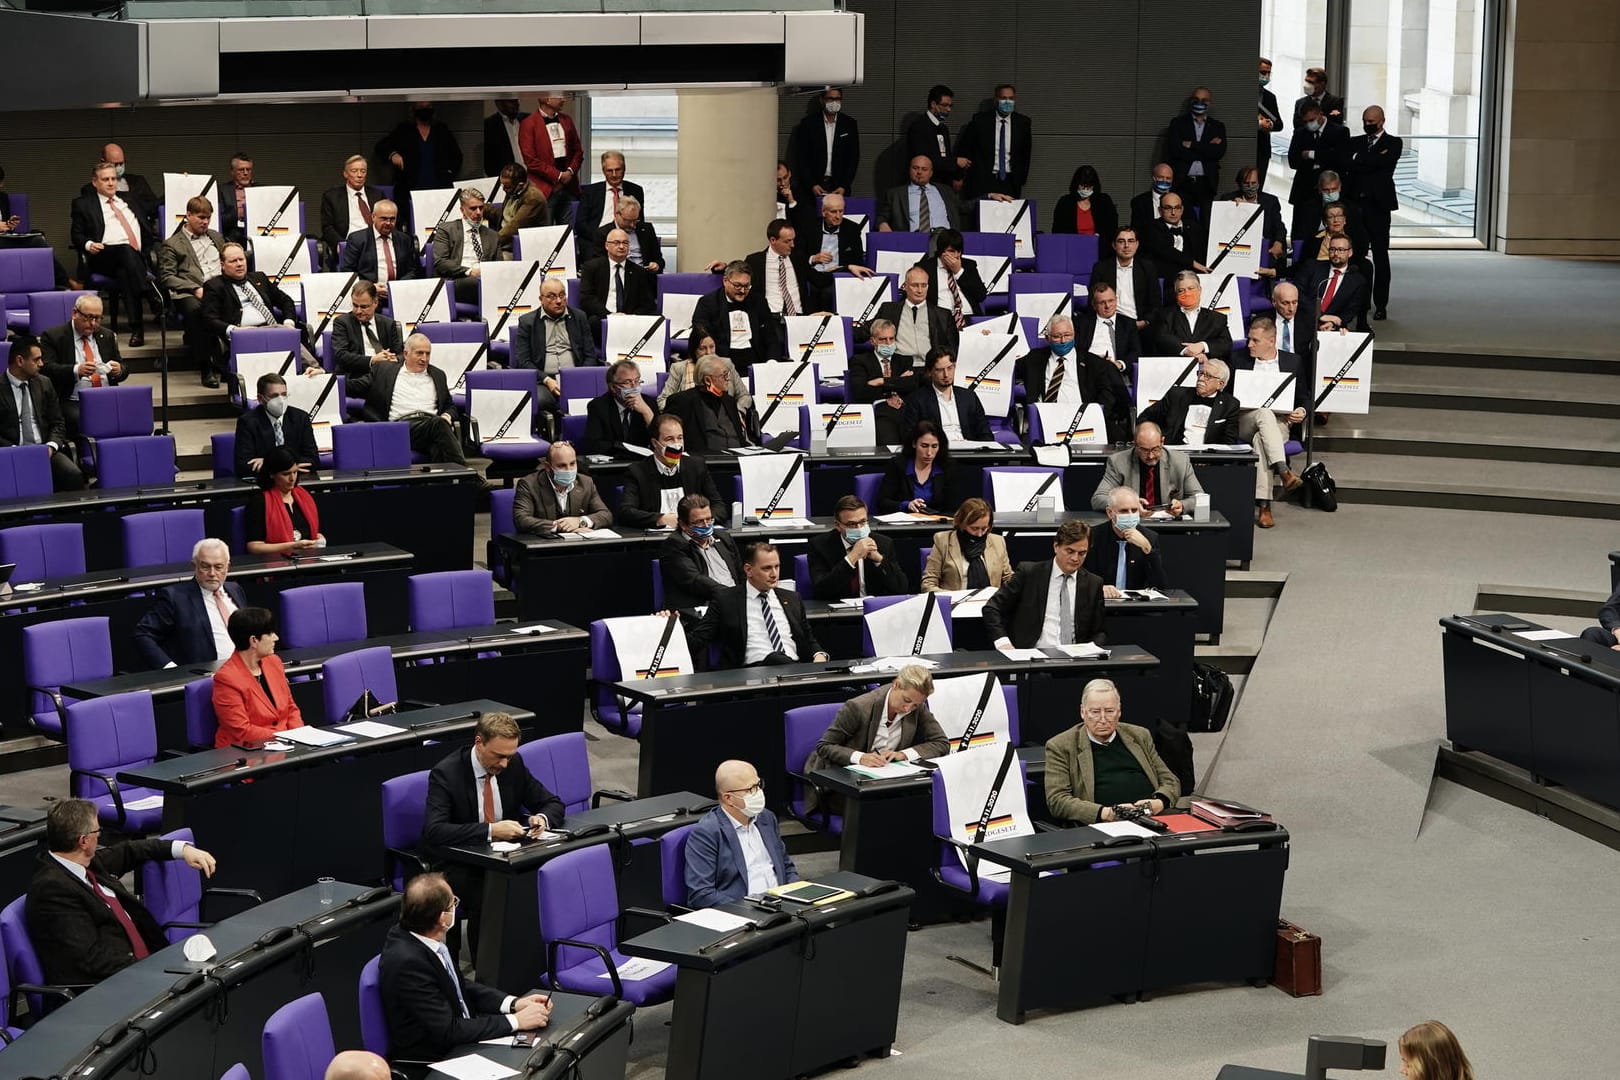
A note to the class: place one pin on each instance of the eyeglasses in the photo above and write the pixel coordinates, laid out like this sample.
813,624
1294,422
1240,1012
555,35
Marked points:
455,902
86,318
757,786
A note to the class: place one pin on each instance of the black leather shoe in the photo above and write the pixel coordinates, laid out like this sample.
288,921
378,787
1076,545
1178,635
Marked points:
137,339
210,379
1380,315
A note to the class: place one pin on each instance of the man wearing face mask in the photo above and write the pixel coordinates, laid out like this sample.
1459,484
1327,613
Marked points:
881,377
825,147
423,152
699,562
1197,143
654,486
1331,106
997,146
556,498
621,415
1316,221
1134,277
1372,160
1122,552
736,849
1187,328
1316,145
929,136
1271,222
1062,373
274,423
1270,121
1145,204
707,411
851,560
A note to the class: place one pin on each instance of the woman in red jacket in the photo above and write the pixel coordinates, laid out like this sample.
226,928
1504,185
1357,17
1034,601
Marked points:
252,700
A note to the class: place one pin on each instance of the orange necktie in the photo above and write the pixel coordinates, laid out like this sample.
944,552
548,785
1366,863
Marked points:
95,373
129,230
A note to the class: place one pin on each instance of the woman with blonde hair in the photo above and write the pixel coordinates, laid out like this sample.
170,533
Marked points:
1430,1051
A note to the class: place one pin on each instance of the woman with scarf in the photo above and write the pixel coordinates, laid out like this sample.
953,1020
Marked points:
969,555
282,519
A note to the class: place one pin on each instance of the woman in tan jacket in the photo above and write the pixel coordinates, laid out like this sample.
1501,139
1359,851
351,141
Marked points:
968,556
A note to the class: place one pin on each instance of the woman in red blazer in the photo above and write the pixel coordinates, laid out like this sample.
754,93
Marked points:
252,700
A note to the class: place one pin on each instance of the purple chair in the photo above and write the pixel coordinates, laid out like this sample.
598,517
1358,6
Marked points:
657,586
372,446
348,675
451,332
912,243
201,723
500,522
581,384
112,412
19,207
519,451
8,1035
801,576
1001,245
687,284
259,339
25,471
24,271
161,536
560,763
173,892
297,1043
613,713
373,1018
672,866
802,729
404,806
133,460
104,735
62,652
573,428
1067,253
870,604
53,308
1041,283
23,970
451,598
866,489
323,614
43,551
950,873
222,452
1056,490
579,914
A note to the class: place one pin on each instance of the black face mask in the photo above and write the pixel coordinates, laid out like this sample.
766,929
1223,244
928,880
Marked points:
1371,129
424,115
972,546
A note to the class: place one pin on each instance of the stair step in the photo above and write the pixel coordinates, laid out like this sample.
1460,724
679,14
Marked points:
1513,486
1558,386
1473,433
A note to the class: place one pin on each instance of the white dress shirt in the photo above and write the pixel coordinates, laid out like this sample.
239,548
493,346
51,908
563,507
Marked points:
1125,289
176,847
949,420
1069,392
1102,342
512,124
831,127
761,871
223,645
352,196
382,242
758,646
469,257
207,255
775,266
414,393
442,952
114,232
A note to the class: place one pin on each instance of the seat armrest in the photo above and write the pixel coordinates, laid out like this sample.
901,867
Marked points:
610,793
551,962
112,789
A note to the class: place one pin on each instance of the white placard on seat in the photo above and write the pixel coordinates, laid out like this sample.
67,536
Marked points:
984,364
269,211
641,339
283,258
995,271
251,365
502,415
430,207
1014,217
1073,424
1012,491
819,339
455,358
954,702
1238,230
325,298
894,629
181,188
968,777
895,263
510,290
855,429
1353,393
420,300
1008,323
1254,388
552,246
763,475
780,388
858,299
1223,295
1156,374
635,643
677,308
321,396
1043,307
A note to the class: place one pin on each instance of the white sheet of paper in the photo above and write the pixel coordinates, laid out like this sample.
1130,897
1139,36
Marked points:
500,286
409,298
763,474
1154,375
1230,228
536,629
324,298
251,365
262,204
894,770
151,802
178,189
638,968
1088,425
1053,457
1252,389
859,298
1539,635
896,263
1223,295
473,1067
1124,828
455,359
625,332
314,736
429,207
371,729
540,241
1043,307
1016,217
305,393
677,308
270,255
1023,654
715,919
1353,394
504,847
600,534
1083,650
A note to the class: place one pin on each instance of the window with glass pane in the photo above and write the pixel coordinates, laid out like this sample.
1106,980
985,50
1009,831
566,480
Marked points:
642,127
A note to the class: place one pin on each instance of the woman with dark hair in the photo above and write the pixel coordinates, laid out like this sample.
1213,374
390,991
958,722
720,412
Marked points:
683,373
919,478
283,518
968,555
252,700
1085,209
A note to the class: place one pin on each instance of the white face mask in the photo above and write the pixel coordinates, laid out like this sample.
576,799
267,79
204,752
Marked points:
754,803
276,406
833,107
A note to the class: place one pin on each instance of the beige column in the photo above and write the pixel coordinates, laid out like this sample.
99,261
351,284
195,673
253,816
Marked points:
725,173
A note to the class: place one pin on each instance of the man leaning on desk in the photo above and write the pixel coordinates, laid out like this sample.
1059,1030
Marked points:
190,622
1123,554
1101,763
735,850
1054,601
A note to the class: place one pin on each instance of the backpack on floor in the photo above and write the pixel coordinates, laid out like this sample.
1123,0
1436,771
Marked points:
1211,699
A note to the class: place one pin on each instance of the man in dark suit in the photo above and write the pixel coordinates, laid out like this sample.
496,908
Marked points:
791,203
919,326
825,147
708,414
1054,601
362,337
1371,169
718,866
646,250
1264,424
555,337
1186,328
654,486
482,795
133,186
1122,553
85,925
612,284
81,353
881,377
1608,622
1063,373
940,398
186,260
1135,279
920,205
383,252
1177,240
189,623
743,331
417,393
1270,122
838,246
1330,106
929,136
699,562
997,146
501,147
964,290
1338,289
1296,323
1145,204
430,1009
555,498
599,202
233,198
346,209
114,234
30,415
459,246
620,415
851,560
1197,143
755,622
241,297
275,423
1110,340
781,274
1316,145
1216,418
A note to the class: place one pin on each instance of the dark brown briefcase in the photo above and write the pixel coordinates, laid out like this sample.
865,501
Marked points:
1299,960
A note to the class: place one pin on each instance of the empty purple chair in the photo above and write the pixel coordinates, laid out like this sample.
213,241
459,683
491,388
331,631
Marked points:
201,723
25,471
174,893
672,866
801,576
23,967
866,489
1067,253
579,914
1022,284
373,1017
581,384
371,446
135,460
514,442
53,308
259,339
323,614
404,806
562,765
104,735
613,713
914,244
348,675
451,598
112,412
161,536
297,1043
64,651
500,522
24,271
222,452
802,729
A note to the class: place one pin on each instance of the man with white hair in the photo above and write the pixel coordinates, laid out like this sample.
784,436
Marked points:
418,394
1123,553
1195,415
188,623
1265,425
1062,373
646,250
1100,764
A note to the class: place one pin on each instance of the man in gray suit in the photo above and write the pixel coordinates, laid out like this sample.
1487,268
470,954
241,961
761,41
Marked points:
1160,475
459,245
189,257
921,205
891,723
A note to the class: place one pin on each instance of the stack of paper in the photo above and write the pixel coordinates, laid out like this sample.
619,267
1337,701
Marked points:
1084,651
895,663
894,770
371,729
715,919
314,736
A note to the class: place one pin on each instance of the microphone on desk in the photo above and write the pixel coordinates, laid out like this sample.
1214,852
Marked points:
367,898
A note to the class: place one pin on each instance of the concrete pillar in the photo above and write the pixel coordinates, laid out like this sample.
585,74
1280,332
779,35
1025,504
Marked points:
725,173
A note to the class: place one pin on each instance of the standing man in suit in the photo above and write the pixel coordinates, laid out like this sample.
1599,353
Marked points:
736,850
698,562
233,198
1187,328
429,1008
850,560
743,331
275,423
891,723
417,393
1197,143
782,273
555,337
707,411
611,284
459,246
1109,339
755,622
556,498
825,147
1265,426
920,327
190,622
423,152
1122,553
1331,106
1270,122
599,202
1316,146
501,127
1100,764
346,209
1145,204
881,377
114,234
189,258
997,146
30,415
654,486
929,136
482,795
362,338
383,252
1176,241
955,410
85,925
646,250
1339,291
1203,413
1160,475
1134,278
621,415
1372,160
81,353
964,290
921,205
552,152
1054,601
837,247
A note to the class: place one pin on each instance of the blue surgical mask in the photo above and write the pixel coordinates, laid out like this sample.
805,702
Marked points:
1004,106
119,169
564,477
1062,348
1085,192
1127,522
1330,196
886,351
1200,107
703,532
1162,186
853,535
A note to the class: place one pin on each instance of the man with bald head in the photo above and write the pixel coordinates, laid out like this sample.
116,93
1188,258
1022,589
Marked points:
384,252
1295,320
188,623
417,393
919,205
1123,553
736,849
611,284
1160,475
357,1065
1373,157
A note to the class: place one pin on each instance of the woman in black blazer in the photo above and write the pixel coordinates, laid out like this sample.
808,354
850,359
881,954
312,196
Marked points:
1085,209
920,478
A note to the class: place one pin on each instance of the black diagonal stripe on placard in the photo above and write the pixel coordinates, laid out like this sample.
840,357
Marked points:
287,364
782,392
1333,383
922,624
292,254
444,216
995,793
432,299
815,339
1074,422
551,259
990,288
1226,249
793,470
984,372
523,403
978,711
1280,388
506,308
1029,507
354,276
877,298
320,400
652,329
838,414
269,226
1017,218
663,644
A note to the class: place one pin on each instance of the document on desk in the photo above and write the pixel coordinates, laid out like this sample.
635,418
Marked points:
591,534
473,1067
1146,594
893,664
1124,828
371,729
1023,654
788,523
315,736
638,968
1542,635
535,629
852,603
1053,457
714,919
151,802
1085,650
894,770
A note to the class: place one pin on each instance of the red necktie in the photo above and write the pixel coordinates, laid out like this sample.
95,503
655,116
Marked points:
224,609
1333,287
1150,489
365,209
130,231
388,253
615,200
95,373
136,942
489,797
